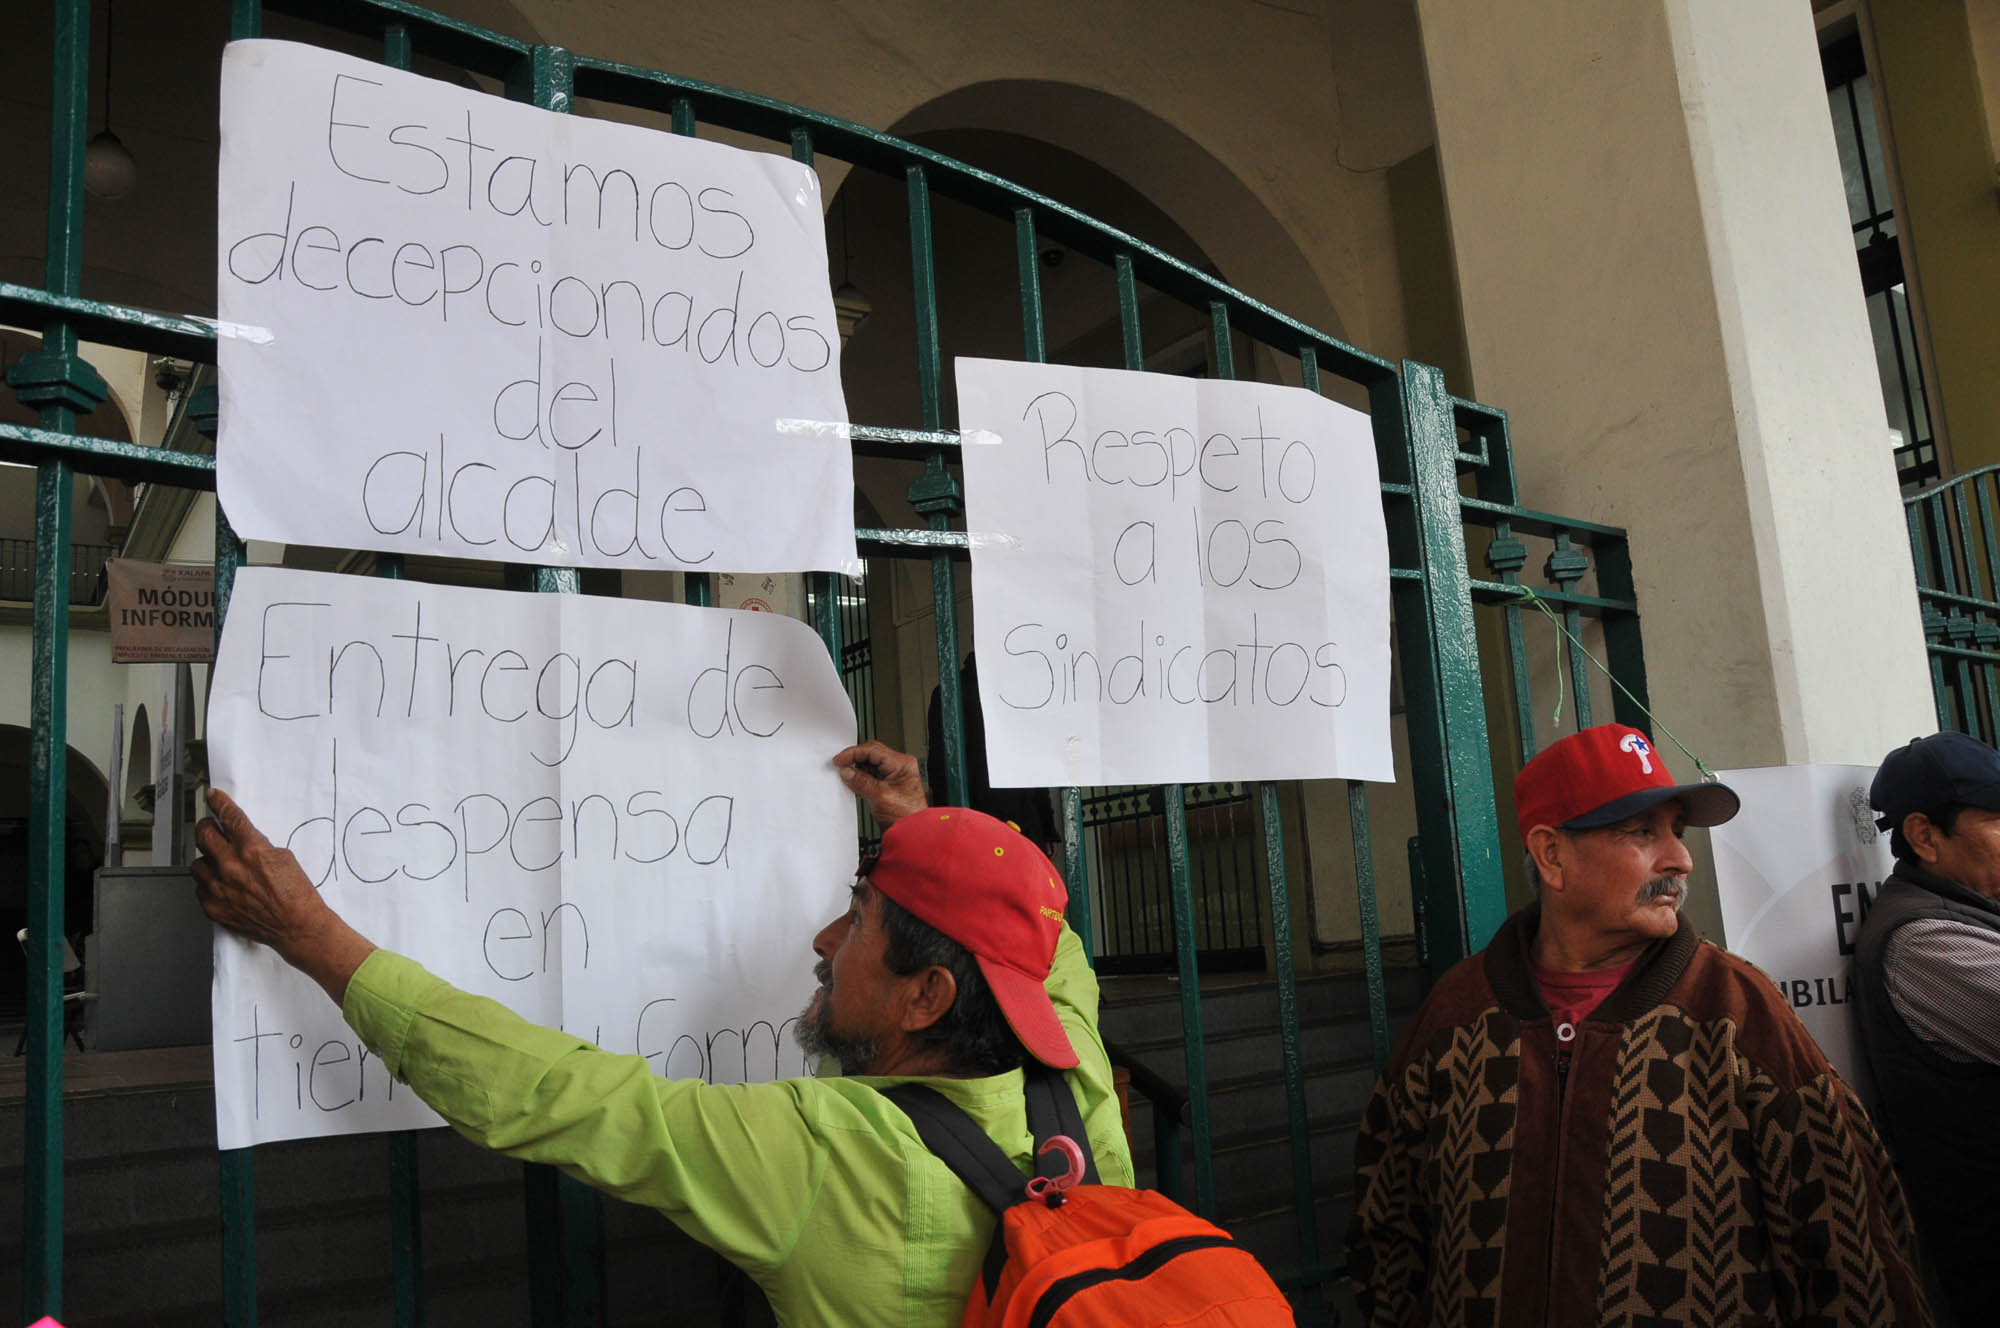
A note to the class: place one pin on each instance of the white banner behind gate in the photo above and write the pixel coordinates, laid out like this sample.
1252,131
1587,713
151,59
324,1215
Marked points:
1795,873
1175,579
614,816
453,324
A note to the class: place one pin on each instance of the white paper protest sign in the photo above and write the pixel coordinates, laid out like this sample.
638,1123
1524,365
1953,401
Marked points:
616,817
1174,579
1795,873
457,325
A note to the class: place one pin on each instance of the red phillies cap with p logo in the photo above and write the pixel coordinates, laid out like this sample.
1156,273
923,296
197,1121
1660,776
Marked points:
1604,774
982,883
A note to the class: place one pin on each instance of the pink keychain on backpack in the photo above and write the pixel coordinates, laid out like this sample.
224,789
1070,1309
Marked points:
1049,1189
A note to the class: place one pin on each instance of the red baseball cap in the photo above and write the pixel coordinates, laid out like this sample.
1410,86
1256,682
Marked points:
1604,774
982,883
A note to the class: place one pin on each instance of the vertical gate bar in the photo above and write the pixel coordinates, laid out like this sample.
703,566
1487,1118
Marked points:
1965,539
1371,922
1128,314
42,1146
1463,894
544,1234
1288,1025
1028,264
1941,525
406,1230
239,1236
565,1230
1566,567
1507,556
238,1167
246,19
696,587
1034,349
1167,1152
60,387
406,1215
1913,516
1364,854
582,1219
826,586
1184,952
1278,890
935,494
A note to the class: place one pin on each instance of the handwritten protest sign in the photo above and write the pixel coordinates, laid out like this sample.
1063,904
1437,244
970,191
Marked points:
457,325
1175,579
614,816
1795,874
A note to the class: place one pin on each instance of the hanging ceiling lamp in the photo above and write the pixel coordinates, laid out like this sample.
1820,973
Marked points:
109,171
850,307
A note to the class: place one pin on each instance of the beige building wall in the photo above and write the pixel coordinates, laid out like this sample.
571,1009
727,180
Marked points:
1935,61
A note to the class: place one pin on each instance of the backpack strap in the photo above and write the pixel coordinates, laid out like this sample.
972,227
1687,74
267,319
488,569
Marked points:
973,1157
1052,1110
961,1145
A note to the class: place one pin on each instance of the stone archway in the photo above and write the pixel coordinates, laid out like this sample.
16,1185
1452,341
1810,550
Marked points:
1224,218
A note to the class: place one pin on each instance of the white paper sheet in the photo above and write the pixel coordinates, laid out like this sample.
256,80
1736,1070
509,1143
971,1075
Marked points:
614,816
1795,873
458,325
1175,579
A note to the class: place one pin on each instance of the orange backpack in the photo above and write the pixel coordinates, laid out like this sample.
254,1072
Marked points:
1073,1253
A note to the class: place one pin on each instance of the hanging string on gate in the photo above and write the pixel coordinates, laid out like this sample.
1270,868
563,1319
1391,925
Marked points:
1563,633
1555,720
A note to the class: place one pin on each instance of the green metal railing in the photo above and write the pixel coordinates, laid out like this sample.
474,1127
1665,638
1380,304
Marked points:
1430,447
1955,547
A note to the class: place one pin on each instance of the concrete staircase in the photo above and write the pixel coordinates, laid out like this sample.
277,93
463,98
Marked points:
143,1212
1255,1193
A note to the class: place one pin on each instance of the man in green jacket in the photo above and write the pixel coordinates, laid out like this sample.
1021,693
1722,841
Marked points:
951,965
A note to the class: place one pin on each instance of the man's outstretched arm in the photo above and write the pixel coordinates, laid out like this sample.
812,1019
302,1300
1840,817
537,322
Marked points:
257,890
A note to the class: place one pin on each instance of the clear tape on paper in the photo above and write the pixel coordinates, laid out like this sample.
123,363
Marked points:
817,428
256,336
991,539
843,429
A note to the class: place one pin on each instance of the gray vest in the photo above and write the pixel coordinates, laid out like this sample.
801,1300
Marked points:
1940,1117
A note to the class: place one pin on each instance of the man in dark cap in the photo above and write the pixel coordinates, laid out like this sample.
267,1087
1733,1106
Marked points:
950,967
1603,1118
1927,1001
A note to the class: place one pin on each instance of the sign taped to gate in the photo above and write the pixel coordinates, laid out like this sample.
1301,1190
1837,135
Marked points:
1175,579
1795,874
456,325
160,613
616,817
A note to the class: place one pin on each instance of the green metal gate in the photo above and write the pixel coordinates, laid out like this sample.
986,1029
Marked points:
1955,547
1446,466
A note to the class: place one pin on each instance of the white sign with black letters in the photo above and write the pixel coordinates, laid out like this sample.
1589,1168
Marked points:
457,325
618,817
1175,579
1795,872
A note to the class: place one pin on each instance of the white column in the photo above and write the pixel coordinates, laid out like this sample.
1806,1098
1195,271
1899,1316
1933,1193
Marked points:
1660,287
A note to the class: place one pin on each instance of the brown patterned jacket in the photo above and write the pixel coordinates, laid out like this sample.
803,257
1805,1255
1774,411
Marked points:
1696,1162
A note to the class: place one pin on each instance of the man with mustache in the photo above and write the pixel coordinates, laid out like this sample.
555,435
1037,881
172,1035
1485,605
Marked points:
1603,1118
950,968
